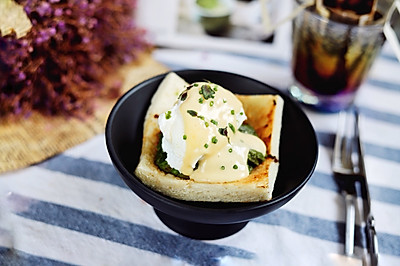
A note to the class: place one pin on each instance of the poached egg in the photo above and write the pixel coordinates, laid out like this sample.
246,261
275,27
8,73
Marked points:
201,134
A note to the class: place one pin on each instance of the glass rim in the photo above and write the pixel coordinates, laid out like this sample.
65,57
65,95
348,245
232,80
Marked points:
377,24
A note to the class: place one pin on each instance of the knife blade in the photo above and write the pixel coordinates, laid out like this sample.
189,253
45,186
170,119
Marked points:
371,236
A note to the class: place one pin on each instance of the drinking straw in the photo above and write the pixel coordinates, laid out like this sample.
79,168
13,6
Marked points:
388,29
268,26
359,12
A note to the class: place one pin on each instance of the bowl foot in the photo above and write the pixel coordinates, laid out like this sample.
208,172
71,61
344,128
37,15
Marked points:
199,230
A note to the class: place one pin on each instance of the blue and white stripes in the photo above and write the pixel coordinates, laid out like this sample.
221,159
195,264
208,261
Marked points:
76,195
74,209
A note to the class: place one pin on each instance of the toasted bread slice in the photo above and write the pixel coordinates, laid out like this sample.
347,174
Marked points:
264,113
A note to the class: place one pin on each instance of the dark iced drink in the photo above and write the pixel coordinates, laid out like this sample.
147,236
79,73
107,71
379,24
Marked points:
331,59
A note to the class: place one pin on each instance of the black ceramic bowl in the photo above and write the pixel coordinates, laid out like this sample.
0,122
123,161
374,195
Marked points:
206,220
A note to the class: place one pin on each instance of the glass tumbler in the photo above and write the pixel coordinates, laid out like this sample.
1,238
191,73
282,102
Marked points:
331,59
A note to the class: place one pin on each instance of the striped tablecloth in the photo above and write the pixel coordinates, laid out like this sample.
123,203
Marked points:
75,209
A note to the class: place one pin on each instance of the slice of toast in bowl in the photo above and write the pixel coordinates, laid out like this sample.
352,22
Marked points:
264,113
298,152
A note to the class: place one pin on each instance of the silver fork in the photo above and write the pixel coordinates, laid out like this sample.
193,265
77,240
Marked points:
348,167
343,169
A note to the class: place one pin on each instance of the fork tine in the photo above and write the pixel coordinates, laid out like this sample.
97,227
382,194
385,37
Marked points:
338,147
348,167
343,148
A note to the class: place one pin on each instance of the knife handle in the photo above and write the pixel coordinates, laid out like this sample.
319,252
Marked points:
350,224
372,240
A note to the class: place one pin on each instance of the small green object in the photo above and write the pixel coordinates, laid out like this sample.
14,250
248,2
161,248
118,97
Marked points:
214,122
235,166
246,128
223,131
207,91
232,112
254,158
207,3
232,127
192,112
206,145
184,137
222,167
168,115
230,150
183,96
214,140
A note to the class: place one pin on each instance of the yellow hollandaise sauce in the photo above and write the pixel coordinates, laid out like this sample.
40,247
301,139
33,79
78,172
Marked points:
205,142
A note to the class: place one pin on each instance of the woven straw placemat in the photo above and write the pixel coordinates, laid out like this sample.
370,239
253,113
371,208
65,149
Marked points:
29,141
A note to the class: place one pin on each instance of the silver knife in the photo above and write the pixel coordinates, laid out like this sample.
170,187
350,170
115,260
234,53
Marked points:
372,240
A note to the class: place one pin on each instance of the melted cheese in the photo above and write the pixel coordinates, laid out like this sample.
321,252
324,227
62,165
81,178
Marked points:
201,136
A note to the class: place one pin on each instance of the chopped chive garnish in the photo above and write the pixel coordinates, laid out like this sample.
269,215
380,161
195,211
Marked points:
230,150
232,112
183,96
241,113
214,140
201,100
232,127
235,166
224,101
214,122
195,84
222,167
206,124
215,88
223,131
206,145
192,112
184,137
201,117
168,115
207,91
246,128
211,103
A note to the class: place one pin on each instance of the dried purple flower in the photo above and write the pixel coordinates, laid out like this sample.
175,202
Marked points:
60,65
